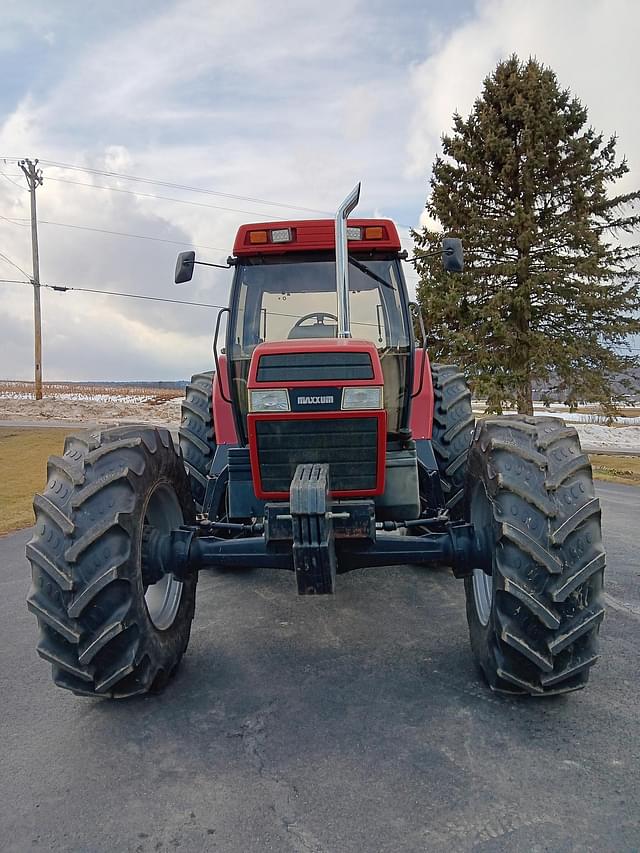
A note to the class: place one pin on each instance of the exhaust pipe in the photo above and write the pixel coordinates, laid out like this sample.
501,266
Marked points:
342,261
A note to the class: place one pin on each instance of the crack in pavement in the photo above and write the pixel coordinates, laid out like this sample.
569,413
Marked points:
621,606
253,736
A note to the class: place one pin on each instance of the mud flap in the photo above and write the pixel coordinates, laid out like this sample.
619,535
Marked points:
314,554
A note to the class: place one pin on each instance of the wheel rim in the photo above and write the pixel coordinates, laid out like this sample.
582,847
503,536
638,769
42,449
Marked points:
482,595
482,520
162,599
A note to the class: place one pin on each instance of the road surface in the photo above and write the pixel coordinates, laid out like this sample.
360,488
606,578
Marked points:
356,723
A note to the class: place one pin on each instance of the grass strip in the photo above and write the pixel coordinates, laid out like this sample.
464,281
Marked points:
23,471
616,468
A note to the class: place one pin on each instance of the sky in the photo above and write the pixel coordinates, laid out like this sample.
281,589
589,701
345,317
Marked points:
273,107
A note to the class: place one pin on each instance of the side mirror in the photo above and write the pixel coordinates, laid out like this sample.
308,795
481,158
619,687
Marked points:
452,255
184,267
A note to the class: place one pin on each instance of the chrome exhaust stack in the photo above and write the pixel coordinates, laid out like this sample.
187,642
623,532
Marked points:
342,262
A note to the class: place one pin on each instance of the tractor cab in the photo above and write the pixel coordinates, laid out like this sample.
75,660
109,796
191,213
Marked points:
305,390
284,290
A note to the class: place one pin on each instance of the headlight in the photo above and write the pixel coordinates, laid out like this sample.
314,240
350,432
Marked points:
275,400
362,398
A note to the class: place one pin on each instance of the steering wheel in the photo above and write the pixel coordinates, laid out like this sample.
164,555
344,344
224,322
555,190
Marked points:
319,315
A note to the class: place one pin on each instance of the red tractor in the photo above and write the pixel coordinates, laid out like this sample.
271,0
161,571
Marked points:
323,434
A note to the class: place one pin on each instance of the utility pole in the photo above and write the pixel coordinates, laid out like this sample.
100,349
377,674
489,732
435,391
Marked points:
34,180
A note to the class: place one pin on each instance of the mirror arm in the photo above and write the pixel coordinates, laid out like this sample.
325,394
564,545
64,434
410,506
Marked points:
205,264
432,254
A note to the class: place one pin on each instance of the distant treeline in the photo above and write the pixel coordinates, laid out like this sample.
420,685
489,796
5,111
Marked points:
134,383
102,383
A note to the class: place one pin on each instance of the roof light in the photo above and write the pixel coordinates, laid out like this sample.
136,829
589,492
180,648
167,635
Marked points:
354,233
281,235
373,232
258,237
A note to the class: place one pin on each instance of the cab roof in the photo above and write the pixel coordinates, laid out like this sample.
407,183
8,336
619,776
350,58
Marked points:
268,238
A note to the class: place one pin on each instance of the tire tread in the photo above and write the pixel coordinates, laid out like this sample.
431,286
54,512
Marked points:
85,566
453,424
197,434
548,556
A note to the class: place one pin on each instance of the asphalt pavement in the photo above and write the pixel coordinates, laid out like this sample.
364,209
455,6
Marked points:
327,725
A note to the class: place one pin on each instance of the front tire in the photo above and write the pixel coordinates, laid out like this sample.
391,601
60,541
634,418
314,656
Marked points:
197,436
534,621
103,627
452,431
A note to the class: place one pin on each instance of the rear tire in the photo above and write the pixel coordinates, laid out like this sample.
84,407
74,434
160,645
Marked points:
106,632
452,430
197,436
534,622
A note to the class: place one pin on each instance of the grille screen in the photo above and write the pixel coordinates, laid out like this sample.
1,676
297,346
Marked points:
310,366
348,445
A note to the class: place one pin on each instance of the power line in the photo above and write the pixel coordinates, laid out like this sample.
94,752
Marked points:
184,187
13,264
254,213
63,288
135,236
12,182
24,222
170,185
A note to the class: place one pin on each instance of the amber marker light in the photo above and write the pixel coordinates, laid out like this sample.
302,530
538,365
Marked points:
258,237
373,232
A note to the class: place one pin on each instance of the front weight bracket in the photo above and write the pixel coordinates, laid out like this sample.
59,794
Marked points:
314,553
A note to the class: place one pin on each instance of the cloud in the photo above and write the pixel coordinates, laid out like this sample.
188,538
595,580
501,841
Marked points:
19,28
288,102
590,44
262,100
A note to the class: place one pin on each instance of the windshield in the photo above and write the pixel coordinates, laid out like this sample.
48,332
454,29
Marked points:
293,298
283,299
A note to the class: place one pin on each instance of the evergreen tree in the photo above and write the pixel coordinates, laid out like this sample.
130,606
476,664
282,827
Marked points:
550,291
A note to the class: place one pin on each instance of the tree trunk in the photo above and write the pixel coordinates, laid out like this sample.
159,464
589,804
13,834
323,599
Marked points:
524,397
523,319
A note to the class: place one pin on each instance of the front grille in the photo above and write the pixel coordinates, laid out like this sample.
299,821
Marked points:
314,366
348,445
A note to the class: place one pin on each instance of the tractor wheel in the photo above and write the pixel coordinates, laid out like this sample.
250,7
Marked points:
197,437
105,629
452,431
534,621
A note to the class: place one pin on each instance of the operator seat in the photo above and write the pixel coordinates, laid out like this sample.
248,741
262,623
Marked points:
319,330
